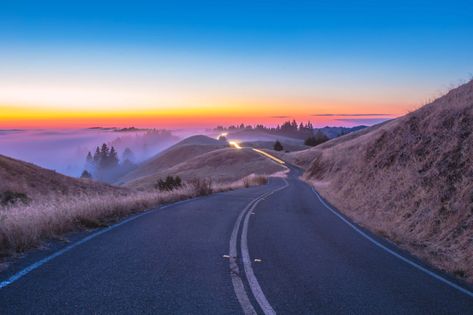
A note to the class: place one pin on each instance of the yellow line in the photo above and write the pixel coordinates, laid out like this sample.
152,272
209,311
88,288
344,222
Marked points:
272,157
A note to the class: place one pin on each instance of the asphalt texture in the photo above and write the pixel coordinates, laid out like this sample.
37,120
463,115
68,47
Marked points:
173,261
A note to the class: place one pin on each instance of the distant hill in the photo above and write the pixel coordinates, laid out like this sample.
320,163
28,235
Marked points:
334,132
222,165
199,140
293,137
287,145
180,152
410,179
200,157
22,177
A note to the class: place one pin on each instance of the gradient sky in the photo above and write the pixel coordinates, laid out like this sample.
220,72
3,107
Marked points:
202,63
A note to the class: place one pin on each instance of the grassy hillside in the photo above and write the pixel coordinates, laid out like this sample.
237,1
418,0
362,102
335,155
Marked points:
410,179
221,165
19,176
200,157
178,153
56,204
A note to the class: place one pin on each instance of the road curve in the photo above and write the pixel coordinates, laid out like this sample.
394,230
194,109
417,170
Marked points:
179,260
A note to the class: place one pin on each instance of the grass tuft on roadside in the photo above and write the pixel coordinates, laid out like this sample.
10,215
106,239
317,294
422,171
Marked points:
25,225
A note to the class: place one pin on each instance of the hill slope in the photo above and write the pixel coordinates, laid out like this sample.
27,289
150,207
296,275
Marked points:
222,165
410,179
178,153
19,176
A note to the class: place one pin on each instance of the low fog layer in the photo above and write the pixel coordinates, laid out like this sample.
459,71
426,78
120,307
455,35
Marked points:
65,150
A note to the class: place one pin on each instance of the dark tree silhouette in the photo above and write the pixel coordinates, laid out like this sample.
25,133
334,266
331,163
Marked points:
97,156
316,139
170,183
128,155
86,174
278,146
112,158
89,159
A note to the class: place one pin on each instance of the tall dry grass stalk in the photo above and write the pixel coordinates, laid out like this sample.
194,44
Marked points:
23,226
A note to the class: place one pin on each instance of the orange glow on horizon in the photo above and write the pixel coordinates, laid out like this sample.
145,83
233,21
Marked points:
271,113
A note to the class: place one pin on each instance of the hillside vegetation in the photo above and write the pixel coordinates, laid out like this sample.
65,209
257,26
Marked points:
37,204
409,179
200,157
37,182
178,153
222,165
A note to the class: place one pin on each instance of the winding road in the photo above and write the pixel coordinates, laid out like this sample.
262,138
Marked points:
276,248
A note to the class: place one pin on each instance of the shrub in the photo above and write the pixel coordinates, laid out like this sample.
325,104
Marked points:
170,183
201,187
459,273
278,146
86,174
23,226
10,197
246,182
254,180
316,139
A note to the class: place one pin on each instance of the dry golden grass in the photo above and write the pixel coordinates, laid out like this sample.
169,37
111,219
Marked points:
185,150
222,165
35,181
23,226
410,179
60,204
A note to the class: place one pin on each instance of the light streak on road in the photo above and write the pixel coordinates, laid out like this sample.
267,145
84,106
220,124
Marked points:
235,144
272,157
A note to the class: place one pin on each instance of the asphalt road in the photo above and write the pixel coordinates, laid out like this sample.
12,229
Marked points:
229,253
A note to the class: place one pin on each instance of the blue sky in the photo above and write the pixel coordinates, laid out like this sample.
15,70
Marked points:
318,55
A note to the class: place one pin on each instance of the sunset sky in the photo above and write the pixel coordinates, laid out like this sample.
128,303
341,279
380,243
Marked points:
203,63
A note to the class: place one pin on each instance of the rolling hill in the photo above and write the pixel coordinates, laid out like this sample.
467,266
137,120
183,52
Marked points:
23,177
409,179
200,157
178,153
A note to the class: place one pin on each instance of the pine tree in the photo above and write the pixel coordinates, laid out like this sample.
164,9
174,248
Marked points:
112,159
97,156
89,162
128,155
86,174
310,126
104,153
89,159
278,146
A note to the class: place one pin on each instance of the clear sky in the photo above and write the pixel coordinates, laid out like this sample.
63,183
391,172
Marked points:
202,63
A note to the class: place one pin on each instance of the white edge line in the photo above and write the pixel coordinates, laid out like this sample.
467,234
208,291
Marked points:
408,261
20,274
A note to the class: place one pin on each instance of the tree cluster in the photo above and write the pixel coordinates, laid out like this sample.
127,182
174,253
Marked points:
291,128
278,146
318,138
168,184
104,164
103,158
